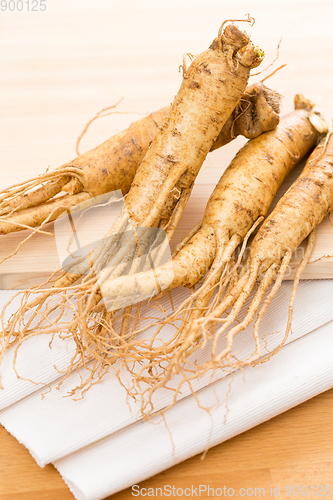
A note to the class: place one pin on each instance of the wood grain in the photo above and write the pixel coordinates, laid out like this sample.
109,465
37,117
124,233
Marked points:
58,68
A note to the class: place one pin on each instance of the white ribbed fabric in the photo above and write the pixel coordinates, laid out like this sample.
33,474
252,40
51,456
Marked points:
298,372
56,426
35,361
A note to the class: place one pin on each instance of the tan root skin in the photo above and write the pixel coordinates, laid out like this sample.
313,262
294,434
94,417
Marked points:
211,89
300,210
207,97
295,217
243,194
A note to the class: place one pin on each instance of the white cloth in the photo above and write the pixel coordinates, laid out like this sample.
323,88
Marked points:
54,427
298,372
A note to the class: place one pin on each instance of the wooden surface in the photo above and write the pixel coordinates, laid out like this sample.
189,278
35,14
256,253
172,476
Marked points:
58,68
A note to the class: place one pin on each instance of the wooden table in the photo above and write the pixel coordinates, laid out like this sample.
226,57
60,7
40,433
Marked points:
58,68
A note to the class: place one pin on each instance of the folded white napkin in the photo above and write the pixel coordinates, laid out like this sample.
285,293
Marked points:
56,426
37,363
298,372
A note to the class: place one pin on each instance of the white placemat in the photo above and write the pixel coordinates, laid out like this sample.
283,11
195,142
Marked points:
56,426
300,371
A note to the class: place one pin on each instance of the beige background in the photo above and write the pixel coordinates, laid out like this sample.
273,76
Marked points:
61,66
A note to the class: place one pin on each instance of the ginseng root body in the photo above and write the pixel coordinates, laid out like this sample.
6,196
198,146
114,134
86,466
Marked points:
295,218
211,89
242,196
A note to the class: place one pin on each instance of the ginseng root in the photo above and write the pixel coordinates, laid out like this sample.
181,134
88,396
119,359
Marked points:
211,89
295,218
242,196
